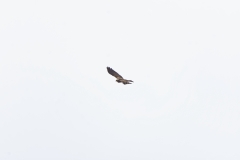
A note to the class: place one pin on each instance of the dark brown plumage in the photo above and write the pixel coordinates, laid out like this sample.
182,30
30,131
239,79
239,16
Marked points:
120,79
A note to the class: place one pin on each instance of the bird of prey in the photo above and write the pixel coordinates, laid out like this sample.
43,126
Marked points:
120,79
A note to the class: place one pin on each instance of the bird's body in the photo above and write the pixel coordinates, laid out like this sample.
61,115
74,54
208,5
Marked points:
120,79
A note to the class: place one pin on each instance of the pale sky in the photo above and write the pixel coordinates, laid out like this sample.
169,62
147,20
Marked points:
57,101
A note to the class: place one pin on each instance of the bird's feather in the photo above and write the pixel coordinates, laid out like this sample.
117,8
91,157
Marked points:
114,73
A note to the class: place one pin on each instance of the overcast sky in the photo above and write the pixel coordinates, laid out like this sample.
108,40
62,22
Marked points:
57,101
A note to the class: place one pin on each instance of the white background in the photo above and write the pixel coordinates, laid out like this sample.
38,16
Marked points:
57,100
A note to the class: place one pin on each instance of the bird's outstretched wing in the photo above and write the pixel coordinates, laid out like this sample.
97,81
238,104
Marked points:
114,73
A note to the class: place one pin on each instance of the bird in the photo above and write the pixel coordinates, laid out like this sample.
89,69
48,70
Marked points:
120,79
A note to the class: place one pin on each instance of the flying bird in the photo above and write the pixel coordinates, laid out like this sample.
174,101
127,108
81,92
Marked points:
120,79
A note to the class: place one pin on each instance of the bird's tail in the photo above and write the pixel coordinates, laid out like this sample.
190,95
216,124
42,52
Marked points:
129,82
